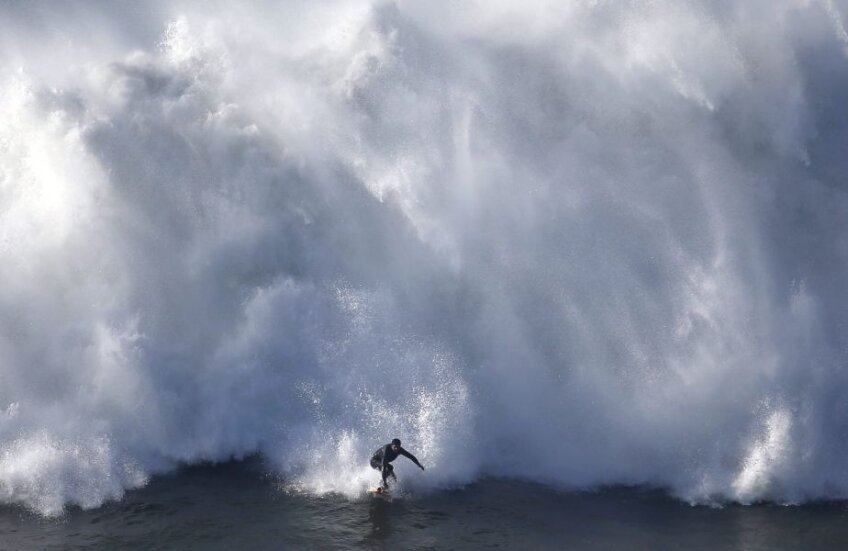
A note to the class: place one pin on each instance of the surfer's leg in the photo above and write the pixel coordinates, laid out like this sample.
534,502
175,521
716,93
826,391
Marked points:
387,472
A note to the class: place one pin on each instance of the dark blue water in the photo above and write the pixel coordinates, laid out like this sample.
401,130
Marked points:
236,505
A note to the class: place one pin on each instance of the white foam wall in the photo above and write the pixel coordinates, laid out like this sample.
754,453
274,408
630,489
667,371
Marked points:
585,244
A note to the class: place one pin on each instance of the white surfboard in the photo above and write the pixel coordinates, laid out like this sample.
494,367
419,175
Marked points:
380,492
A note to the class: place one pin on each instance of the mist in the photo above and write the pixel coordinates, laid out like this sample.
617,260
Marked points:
584,244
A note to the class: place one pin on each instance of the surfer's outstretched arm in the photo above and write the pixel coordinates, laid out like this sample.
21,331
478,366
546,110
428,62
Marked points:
412,457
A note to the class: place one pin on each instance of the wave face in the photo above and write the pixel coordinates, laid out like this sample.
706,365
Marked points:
599,243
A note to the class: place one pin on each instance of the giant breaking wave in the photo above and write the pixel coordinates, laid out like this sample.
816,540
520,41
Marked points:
581,243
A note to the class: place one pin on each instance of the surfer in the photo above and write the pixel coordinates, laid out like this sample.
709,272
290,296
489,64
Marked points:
383,457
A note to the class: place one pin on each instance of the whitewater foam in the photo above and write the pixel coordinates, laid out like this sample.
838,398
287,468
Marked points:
591,244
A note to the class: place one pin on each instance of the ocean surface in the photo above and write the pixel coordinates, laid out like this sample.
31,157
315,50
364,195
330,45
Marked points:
237,506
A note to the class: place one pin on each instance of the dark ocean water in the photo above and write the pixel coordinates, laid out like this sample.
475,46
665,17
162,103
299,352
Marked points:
236,506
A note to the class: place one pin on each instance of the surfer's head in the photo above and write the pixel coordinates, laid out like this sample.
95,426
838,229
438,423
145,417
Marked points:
395,444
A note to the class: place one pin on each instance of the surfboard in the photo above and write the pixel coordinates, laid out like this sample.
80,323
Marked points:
380,492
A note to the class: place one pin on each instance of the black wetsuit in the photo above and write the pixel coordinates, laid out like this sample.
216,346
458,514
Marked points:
382,458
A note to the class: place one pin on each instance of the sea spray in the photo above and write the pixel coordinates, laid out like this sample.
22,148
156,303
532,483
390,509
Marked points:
585,244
